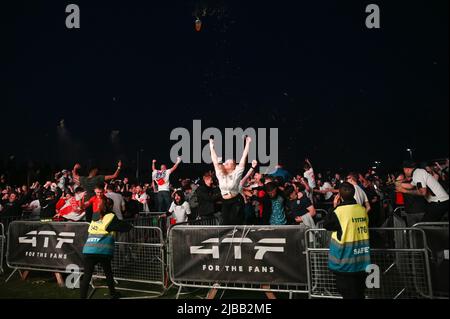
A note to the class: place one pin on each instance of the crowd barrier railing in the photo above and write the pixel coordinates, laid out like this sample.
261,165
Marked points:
2,247
403,265
6,221
138,261
193,233
37,246
411,261
201,221
437,242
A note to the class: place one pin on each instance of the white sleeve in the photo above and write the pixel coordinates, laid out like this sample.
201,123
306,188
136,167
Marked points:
172,207
187,208
420,177
154,174
239,171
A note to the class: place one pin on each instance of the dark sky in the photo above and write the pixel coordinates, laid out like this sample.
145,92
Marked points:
340,94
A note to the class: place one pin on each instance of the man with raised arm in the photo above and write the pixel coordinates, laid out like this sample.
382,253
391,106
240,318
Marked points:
161,177
90,182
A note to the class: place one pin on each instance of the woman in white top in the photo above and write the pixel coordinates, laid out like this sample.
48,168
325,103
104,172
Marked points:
180,207
229,176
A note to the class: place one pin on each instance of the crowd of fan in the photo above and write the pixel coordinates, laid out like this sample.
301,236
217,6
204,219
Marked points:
276,199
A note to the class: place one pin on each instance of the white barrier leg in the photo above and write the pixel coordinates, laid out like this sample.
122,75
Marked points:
9,277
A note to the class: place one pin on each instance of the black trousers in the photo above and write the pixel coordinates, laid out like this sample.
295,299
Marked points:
435,211
351,285
89,264
233,211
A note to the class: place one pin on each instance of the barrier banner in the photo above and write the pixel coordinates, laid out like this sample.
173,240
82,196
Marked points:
48,246
242,254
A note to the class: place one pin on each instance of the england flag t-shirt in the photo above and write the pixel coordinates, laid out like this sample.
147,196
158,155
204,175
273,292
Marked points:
162,179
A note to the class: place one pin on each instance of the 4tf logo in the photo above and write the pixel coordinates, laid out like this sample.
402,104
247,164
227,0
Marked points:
63,238
260,247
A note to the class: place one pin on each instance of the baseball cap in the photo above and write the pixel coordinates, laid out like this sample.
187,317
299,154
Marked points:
409,164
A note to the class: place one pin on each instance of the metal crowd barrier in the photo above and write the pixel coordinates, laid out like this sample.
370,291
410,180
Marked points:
409,218
437,236
150,219
2,246
403,264
18,268
402,254
298,288
138,260
8,220
202,221
205,221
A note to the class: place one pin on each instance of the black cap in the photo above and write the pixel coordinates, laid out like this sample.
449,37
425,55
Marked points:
409,164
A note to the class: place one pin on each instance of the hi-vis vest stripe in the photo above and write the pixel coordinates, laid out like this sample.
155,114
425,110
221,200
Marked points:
352,252
99,241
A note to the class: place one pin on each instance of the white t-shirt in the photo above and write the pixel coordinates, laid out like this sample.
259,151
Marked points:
229,184
162,179
360,195
309,175
35,207
324,187
119,204
180,212
427,181
143,198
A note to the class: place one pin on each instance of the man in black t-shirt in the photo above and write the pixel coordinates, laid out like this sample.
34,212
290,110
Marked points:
91,181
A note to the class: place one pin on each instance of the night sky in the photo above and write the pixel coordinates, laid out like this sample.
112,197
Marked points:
341,94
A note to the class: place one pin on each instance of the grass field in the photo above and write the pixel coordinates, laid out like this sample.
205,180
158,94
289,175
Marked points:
42,285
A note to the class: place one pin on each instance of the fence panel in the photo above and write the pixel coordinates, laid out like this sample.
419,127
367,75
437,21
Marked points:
437,237
2,246
239,254
403,265
50,246
138,257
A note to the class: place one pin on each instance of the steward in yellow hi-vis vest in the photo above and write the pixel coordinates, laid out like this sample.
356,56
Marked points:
349,246
99,246
100,241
